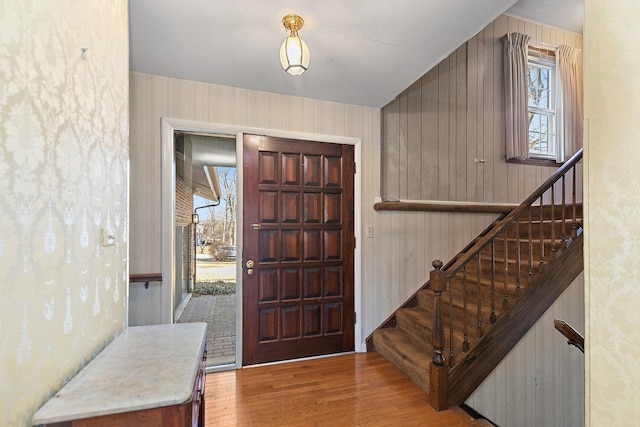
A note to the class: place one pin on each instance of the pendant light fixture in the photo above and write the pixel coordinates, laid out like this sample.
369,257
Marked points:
294,53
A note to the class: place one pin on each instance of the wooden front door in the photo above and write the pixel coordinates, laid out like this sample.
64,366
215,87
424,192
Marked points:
298,243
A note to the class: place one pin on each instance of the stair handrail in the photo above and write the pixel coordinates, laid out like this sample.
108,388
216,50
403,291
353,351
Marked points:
574,337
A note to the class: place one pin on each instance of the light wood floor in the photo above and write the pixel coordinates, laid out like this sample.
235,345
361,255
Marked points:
345,390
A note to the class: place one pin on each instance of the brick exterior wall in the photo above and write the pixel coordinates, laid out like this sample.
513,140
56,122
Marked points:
184,203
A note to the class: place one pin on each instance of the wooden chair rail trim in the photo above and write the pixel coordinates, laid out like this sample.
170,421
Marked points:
443,206
145,278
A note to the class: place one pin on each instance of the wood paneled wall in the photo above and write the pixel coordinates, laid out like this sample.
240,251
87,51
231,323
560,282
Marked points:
395,261
434,131
541,381
154,97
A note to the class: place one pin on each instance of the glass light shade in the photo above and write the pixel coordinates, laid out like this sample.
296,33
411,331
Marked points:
294,55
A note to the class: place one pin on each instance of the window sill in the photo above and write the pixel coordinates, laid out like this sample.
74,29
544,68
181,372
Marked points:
532,161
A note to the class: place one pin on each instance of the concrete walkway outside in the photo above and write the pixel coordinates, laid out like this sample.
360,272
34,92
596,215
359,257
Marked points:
219,311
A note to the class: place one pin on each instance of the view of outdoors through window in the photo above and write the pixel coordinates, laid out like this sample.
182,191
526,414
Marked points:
213,299
216,232
541,104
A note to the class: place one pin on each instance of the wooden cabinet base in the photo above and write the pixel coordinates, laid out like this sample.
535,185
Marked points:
177,415
148,376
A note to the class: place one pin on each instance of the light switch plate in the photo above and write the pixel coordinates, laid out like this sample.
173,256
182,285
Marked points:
369,231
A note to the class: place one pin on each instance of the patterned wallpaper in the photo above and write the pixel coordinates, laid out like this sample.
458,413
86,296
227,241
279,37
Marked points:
612,154
63,178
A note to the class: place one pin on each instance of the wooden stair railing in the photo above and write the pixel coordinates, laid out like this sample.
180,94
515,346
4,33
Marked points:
412,301
499,339
574,337
525,243
457,327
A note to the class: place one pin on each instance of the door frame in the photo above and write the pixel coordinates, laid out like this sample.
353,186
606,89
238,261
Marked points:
171,125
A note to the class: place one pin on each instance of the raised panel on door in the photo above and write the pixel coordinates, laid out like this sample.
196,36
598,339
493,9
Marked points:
298,232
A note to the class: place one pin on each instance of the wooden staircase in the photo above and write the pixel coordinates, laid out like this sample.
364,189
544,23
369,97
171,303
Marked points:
454,331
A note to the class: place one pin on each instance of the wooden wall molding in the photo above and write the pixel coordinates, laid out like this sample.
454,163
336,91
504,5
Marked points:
444,206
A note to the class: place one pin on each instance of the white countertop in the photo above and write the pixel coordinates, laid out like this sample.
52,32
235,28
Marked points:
144,367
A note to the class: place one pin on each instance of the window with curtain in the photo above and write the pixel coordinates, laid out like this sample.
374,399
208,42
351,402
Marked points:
543,101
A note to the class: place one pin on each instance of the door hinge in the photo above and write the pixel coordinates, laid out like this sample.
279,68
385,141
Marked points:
355,317
354,242
355,170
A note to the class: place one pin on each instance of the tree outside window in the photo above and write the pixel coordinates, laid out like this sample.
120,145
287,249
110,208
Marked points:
541,108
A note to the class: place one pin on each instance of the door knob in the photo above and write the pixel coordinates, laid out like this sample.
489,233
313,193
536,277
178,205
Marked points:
250,263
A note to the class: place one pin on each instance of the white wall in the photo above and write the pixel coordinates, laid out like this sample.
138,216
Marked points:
63,177
612,153
541,381
395,262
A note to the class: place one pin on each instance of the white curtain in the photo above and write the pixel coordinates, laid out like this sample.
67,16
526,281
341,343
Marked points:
515,77
569,101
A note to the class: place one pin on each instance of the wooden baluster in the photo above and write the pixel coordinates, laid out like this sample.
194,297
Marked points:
505,299
553,222
492,316
480,330
574,226
530,248
564,213
465,342
438,373
452,360
541,232
518,259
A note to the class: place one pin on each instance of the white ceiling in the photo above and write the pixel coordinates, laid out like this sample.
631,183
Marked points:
363,52
566,14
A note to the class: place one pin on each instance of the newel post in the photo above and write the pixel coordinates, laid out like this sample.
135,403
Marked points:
439,370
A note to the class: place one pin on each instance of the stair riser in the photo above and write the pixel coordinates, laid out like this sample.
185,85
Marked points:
410,356
416,326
